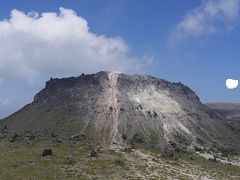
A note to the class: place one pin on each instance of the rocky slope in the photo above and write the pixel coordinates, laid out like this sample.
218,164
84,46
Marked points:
116,108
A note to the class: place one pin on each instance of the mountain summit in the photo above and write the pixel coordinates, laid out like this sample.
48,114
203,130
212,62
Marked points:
112,108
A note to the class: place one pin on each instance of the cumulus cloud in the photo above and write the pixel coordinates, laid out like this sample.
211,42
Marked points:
207,19
60,44
231,83
4,102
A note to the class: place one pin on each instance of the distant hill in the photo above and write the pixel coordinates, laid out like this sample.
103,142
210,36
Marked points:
228,110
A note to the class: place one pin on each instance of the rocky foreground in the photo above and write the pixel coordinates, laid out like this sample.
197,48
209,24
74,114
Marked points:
37,157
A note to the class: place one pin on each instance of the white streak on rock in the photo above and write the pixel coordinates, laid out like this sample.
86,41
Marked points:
113,103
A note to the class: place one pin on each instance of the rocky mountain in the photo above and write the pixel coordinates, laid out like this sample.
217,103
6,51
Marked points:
116,108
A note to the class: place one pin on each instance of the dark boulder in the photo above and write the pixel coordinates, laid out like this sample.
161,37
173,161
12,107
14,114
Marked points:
56,140
200,141
170,153
4,131
47,152
93,153
178,148
173,144
54,135
15,137
118,162
78,137
127,149
137,139
227,150
214,159
122,109
124,137
198,149
155,114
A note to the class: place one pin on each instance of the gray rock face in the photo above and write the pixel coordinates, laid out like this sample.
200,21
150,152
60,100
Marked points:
106,105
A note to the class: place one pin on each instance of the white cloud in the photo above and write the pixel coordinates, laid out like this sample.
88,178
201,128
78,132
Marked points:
4,102
53,44
207,19
231,83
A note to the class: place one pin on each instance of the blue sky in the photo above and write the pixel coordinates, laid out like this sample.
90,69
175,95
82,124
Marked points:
195,42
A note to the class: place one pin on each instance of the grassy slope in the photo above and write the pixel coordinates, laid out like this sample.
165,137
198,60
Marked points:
19,161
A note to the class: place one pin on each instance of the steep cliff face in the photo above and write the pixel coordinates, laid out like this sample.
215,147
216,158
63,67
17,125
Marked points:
110,107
